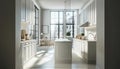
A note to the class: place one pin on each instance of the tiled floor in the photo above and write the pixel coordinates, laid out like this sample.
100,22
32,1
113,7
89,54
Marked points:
45,60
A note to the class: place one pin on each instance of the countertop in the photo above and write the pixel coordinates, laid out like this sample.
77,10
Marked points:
62,40
85,40
28,40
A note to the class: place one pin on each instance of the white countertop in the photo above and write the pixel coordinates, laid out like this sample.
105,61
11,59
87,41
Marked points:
28,40
62,40
85,40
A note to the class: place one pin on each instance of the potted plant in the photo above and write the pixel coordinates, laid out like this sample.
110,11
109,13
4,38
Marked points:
68,33
83,36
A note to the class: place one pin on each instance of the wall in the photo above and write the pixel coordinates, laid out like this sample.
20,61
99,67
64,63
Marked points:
112,34
10,52
18,49
100,34
46,21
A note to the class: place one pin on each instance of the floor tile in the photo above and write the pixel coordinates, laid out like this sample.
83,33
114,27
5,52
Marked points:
45,60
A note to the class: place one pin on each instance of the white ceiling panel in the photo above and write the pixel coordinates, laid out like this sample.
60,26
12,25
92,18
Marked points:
60,4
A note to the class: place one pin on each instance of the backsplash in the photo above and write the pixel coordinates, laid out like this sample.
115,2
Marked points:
90,34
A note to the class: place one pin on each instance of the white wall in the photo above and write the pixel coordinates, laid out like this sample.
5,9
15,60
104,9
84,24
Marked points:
10,51
18,49
46,21
100,34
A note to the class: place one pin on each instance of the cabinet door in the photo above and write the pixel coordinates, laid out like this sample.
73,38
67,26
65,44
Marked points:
93,18
85,49
31,4
82,49
89,15
23,10
94,13
32,13
28,10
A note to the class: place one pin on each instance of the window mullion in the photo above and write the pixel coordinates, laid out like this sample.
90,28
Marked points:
58,26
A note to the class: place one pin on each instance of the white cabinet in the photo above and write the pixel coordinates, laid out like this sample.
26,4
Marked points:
28,50
77,47
63,51
23,10
32,17
85,50
27,9
88,15
93,13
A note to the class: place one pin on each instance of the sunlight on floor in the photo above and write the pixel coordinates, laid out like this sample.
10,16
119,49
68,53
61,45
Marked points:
45,60
42,57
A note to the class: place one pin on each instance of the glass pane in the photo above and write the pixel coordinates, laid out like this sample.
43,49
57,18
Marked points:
61,21
69,17
54,21
69,28
75,17
54,31
61,31
61,17
54,17
60,14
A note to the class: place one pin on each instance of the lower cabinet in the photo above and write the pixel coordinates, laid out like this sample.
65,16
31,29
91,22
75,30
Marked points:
28,50
63,51
86,50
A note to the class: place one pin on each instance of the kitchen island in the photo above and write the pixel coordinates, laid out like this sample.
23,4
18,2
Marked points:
63,51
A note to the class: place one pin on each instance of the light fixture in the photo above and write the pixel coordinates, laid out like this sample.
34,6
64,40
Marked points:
67,4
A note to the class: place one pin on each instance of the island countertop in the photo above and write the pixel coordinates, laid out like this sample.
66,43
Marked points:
62,40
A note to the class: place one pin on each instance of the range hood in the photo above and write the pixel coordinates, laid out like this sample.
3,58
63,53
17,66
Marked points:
86,24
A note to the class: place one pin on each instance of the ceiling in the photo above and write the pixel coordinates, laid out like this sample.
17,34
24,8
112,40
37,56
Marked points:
60,4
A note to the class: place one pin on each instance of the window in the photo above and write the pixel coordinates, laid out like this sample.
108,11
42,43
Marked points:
57,23
54,17
35,26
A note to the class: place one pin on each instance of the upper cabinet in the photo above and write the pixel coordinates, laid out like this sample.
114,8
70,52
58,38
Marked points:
23,10
27,11
32,11
88,15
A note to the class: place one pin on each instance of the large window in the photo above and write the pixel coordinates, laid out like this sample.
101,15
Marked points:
57,26
35,26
